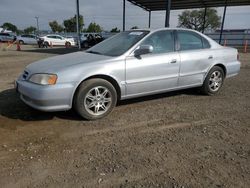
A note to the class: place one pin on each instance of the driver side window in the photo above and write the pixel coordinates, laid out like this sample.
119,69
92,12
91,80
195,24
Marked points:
162,42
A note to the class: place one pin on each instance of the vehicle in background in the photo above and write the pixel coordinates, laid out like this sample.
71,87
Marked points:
27,39
57,40
7,37
90,39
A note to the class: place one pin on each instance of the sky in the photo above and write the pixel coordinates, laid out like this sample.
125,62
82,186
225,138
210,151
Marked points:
107,13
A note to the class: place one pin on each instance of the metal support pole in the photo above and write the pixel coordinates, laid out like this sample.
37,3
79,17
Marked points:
168,8
77,24
204,20
124,15
37,24
222,24
149,19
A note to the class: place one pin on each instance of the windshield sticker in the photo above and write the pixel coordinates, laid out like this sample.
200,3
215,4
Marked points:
136,33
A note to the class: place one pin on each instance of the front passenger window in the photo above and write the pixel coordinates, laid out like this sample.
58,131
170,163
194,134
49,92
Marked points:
162,41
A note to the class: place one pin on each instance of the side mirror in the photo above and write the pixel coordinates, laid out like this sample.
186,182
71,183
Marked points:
143,49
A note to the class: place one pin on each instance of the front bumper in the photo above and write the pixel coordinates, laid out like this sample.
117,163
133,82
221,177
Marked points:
46,98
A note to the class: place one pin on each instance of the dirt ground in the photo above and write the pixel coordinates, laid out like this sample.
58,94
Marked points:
177,140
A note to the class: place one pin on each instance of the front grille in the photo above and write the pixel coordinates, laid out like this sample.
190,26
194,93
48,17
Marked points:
25,75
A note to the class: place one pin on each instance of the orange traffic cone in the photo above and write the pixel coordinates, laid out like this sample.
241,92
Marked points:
225,42
51,45
245,46
18,47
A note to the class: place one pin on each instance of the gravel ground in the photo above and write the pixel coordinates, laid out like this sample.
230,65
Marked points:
178,139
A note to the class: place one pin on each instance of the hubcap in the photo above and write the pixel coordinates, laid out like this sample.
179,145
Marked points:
97,100
215,81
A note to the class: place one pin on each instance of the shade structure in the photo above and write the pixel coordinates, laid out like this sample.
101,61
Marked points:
157,5
168,5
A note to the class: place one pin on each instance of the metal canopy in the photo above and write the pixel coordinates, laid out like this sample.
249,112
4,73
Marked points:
168,5
157,5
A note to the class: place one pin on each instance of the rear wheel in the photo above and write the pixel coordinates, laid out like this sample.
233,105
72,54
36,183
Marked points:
85,45
46,44
213,81
68,44
95,99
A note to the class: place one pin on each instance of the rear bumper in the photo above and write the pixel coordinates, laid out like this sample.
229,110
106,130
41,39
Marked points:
233,68
46,98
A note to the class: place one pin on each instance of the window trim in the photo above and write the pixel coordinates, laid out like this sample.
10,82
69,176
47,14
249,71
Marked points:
178,45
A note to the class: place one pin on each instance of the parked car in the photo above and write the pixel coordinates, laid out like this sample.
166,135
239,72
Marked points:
7,37
88,40
27,39
58,40
130,64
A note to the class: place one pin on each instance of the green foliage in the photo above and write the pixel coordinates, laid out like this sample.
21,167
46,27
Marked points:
115,30
135,27
10,26
29,30
194,19
55,27
70,24
94,28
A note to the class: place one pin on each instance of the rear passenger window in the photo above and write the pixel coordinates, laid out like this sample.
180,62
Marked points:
189,40
206,43
162,41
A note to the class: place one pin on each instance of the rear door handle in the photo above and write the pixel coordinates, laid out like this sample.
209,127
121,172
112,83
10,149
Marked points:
210,57
174,61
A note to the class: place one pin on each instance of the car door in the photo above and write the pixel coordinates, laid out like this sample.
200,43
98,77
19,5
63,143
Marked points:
32,39
27,39
52,39
196,58
154,72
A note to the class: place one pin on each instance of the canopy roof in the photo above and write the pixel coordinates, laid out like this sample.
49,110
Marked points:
155,5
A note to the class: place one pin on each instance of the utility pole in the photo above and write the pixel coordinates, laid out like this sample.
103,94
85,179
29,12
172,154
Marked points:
77,24
37,24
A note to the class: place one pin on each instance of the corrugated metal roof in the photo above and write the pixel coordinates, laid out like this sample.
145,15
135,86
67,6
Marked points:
155,5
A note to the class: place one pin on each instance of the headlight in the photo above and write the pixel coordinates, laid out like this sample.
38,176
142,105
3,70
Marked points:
43,79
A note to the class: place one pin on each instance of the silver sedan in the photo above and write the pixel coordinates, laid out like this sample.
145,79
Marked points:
130,64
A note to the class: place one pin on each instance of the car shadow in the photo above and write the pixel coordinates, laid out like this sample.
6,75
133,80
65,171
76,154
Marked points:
12,107
55,50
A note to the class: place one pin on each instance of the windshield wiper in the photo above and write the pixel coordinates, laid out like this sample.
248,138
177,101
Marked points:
93,52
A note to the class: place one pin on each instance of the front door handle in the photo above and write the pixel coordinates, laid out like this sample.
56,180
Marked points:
174,61
210,57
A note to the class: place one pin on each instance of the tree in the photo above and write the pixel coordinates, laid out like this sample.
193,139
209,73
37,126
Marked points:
10,26
94,27
70,24
195,19
115,30
29,30
55,27
135,27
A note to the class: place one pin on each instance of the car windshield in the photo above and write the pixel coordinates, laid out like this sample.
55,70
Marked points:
118,44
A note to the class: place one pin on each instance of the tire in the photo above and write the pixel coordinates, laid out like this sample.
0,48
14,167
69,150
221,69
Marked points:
85,45
68,44
95,99
21,42
214,81
46,44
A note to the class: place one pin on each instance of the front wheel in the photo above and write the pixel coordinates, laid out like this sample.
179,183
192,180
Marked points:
21,42
95,99
213,81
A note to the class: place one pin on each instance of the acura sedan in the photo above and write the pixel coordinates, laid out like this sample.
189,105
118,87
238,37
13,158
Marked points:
130,64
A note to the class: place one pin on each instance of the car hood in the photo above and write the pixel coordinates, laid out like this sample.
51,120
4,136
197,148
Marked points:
54,64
